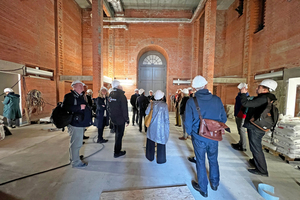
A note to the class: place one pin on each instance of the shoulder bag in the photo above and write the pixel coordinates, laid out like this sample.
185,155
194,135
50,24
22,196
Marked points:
149,116
209,128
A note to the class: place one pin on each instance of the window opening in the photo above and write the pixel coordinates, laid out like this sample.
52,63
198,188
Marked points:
240,8
152,60
261,15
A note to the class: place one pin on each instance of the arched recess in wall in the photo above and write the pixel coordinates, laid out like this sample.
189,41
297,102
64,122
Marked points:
152,69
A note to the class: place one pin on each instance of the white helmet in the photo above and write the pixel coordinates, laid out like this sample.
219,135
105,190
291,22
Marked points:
141,91
242,85
77,81
185,91
199,82
159,95
136,90
8,90
150,91
89,91
269,83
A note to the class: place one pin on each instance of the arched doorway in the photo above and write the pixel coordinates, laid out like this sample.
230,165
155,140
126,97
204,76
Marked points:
152,72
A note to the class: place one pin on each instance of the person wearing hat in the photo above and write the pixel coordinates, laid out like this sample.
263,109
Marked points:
255,107
135,115
118,110
82,117
240,115
191,92
158,131
142,104
151,96
178,98
11,108
211,107
102,114
182,110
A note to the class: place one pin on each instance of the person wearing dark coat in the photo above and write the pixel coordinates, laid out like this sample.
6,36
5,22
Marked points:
11,108
75,103
102,114
135,114
142,104
151,96
255,107
118,108
182,110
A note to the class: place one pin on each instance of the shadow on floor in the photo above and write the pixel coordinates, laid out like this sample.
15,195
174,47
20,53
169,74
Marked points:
7,196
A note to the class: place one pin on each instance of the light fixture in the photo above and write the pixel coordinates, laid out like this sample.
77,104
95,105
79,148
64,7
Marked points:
278,74
182,82
37,71
125,81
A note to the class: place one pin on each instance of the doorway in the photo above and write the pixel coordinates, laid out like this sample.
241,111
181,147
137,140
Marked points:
152,74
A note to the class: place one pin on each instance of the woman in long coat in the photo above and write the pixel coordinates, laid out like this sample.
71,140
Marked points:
102,114
158,131
11,108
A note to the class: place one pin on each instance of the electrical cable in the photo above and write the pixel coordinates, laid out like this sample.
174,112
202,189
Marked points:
52,169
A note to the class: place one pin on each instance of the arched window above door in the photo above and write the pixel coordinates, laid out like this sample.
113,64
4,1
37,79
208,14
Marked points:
152,60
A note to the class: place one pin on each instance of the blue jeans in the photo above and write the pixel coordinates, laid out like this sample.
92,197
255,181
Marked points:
211,148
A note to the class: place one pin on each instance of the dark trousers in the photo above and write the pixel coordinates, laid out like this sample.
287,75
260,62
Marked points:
118,137
101,129
255,138
211,149
161,151
142,116
135,116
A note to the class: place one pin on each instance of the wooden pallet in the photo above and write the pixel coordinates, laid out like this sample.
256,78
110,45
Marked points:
281,155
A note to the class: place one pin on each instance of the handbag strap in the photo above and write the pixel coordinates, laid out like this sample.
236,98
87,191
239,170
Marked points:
197,107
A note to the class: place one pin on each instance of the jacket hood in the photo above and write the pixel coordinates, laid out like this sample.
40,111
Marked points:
271,96
12,94
118,90
203,94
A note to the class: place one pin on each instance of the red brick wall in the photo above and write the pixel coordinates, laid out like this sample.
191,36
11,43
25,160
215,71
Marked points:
87,54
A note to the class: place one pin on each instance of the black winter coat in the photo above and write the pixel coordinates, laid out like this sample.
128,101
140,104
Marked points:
257,105
151,98
101,106
142,104
72,102
133,100
118,107
182,104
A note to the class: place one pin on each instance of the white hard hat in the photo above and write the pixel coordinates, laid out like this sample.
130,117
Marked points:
242,85
269,83
159,95
190,88
8,90
89,91
150,91
111,89
198,82
136,90
115,83
141,91
77,81
185,91
103,88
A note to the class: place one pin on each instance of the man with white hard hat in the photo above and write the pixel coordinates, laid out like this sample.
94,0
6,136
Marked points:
151,96
182,110
255,107
142,104
240,115
191,91
118,108
135,115
211,107
82,117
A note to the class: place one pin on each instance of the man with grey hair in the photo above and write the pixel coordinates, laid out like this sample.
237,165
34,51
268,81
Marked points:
82,117
135,114
118,109
211,107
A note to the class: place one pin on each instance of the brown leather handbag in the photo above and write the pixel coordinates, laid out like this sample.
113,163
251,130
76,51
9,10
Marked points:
209,128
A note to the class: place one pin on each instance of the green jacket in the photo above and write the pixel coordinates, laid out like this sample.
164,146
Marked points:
11,106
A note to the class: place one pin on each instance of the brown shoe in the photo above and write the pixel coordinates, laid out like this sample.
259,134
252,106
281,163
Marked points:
182,138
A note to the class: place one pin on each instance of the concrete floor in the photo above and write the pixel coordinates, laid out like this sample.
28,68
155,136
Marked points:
33,149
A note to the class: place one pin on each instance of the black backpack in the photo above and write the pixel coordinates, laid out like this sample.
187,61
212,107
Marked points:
61,117
268,118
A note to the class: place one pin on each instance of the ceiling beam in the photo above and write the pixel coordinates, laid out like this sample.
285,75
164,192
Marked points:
106,8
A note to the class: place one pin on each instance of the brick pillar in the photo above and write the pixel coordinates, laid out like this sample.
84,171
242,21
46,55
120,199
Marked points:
209,42
111,53
195,50
97,25
251,15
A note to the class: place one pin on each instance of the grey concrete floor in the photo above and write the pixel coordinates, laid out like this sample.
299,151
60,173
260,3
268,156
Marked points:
33,149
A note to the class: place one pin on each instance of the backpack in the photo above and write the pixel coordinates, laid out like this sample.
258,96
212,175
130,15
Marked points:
61,117
268,118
